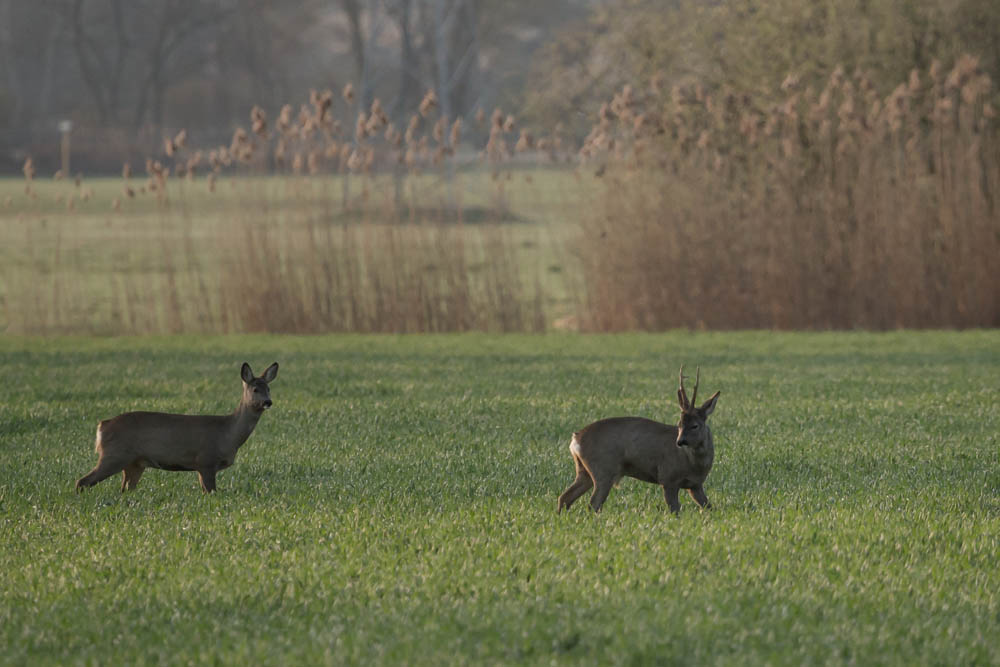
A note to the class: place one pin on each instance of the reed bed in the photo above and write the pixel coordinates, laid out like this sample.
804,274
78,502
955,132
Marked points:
835,208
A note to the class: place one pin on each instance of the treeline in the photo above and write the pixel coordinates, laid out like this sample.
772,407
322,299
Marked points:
751,46
129,72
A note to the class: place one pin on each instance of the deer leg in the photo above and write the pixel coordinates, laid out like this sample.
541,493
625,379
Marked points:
207,478
670,494
698,493
601,491
105,468
131,475
602,487
577,488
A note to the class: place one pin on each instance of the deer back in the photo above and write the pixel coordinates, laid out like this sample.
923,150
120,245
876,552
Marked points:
632,446
171,440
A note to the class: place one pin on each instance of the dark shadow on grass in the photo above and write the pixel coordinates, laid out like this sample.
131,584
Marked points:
468,215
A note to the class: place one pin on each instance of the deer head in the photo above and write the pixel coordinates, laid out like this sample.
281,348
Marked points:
692,429
256,393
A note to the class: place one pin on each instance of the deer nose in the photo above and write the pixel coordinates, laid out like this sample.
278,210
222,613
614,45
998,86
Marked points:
267,402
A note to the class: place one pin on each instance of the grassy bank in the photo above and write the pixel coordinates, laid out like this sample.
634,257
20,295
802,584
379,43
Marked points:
398,504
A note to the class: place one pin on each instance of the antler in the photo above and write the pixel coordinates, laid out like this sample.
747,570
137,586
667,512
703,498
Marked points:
681,394
697,379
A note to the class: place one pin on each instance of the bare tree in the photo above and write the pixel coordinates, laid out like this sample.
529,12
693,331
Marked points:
352,10
137,65
102,61
142,46
29,37
409,66
451,42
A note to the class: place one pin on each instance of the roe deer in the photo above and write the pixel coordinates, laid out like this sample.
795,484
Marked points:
134,441
675,457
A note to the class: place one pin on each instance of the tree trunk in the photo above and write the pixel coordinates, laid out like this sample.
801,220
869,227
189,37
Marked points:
13,83
353,10
408,82
88,69
444,17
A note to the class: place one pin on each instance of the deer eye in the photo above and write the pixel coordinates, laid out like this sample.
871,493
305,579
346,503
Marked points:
694,426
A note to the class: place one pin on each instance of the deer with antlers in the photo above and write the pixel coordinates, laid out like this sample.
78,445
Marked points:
675,457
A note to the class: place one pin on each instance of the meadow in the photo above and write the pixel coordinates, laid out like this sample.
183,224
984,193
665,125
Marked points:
289,254
397,504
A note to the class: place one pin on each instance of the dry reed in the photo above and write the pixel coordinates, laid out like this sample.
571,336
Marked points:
837,208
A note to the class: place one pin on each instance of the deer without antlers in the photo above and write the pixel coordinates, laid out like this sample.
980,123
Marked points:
134,441
675,457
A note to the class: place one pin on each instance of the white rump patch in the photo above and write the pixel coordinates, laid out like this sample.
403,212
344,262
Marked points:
574,445
97,440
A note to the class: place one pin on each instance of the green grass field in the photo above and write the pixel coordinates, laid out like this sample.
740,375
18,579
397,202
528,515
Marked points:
397,505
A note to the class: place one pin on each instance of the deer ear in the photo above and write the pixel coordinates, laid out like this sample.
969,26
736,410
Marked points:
709,406
270,373
246,373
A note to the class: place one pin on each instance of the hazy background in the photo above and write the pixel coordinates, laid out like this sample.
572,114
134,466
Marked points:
128,71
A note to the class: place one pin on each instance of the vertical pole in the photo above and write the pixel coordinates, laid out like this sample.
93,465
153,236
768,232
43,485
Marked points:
65,127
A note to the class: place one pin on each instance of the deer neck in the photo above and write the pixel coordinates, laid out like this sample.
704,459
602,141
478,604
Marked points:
242,423
701,458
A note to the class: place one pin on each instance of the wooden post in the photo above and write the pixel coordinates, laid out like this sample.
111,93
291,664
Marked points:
65,127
